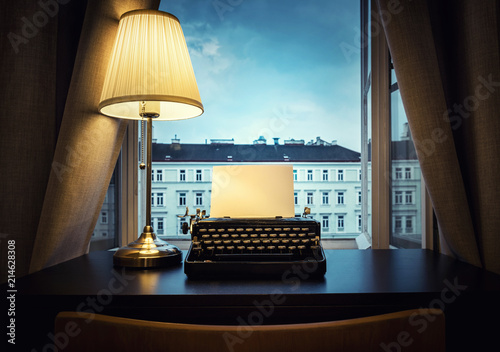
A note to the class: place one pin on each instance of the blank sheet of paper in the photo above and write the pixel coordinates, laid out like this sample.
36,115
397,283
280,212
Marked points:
252,191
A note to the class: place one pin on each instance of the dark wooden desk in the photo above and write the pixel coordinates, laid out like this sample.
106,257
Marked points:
357,283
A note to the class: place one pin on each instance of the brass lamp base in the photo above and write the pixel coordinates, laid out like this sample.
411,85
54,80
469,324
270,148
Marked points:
148,251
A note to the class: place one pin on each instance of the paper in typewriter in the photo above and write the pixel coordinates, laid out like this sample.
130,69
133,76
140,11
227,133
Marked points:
252,191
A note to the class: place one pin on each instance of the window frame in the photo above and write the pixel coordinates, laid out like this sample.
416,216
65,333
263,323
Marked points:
381,141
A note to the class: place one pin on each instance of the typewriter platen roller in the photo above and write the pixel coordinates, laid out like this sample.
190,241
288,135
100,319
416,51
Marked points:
264,247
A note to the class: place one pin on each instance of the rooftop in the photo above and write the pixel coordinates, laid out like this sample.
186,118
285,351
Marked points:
220,152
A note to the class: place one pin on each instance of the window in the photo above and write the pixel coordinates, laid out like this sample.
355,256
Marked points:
398,224
325,222
310,198
104,217
198,175
398,197
159,175
340,222
198,199
152,199
180,223
159,199
360,221
399,173
325,198
340,175
182,199
277,121
340,197
408,197
295,198
159,226
407,173
409,224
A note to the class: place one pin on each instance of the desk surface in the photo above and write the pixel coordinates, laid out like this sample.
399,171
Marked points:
348,272
357,283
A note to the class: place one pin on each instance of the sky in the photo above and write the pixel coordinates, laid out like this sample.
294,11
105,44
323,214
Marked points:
284,69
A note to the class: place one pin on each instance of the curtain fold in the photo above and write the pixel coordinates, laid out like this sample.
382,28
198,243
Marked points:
88,144
447,62
27,132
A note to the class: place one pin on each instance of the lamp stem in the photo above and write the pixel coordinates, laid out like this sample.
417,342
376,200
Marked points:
149,137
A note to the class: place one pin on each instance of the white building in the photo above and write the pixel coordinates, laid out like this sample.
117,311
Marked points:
326,179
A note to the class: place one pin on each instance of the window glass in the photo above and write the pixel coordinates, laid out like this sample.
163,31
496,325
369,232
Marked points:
271,74
406,184
105,235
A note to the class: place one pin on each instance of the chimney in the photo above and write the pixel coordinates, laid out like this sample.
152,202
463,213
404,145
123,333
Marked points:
176,140
276,140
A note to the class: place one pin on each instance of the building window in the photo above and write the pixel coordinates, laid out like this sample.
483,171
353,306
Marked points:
325,222
104,234
198,198
399,173
295,175
360,222
340,175
359,197
310,199
104,217
325,198
325,175
182,199
159,226
198,176
309,175
340,223
159,175
409,224
340,197
398,197
409,197
180,222
295,198
407,173
152,199
398,224
159,199
182,175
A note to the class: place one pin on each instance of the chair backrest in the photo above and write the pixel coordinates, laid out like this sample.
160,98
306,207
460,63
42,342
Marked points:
412,330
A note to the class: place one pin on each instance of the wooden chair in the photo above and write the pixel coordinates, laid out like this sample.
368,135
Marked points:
412,330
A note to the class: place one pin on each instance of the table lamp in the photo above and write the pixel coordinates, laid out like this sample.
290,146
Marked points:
149,77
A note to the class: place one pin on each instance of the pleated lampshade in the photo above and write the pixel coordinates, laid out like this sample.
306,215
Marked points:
150,63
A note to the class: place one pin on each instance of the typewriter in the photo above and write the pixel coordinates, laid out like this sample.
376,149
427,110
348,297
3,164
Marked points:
253,230
265,247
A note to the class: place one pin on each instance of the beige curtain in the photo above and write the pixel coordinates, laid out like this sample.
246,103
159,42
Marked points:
27,125
447,62
54,172
88,144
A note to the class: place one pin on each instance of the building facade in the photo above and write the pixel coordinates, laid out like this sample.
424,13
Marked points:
326,180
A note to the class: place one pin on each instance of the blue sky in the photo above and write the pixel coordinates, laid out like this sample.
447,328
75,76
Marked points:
271,68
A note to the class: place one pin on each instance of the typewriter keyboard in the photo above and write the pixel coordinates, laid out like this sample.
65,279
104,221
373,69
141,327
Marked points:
255,242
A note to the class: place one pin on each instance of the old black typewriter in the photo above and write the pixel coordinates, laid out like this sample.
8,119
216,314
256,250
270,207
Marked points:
265,247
